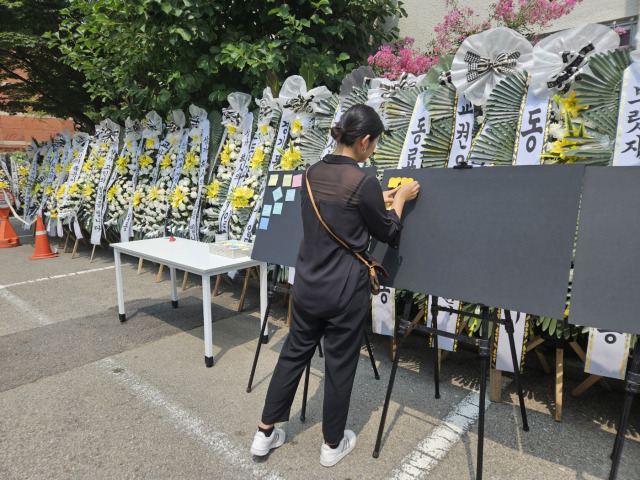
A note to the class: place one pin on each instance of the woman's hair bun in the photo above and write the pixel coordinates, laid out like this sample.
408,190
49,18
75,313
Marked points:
336,132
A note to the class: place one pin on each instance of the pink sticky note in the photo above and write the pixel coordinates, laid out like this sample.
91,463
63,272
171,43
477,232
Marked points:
297,181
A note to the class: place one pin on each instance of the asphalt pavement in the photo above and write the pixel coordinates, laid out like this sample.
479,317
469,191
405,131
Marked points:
83,396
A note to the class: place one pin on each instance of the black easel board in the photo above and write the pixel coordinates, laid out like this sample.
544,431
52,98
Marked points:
279,232
279,242
500,236
606,279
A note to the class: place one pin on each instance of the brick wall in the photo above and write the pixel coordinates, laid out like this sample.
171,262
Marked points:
16,131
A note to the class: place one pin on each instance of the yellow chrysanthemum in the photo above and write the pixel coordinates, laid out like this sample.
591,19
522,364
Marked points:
165,162
150,142
58,168
129,144
61,191
49,190
258,157
47,167
231,129
225,156
240,197
104,147
23,171
68,169
137,198
145,160
3,184
290,159
569,105
190,161
88,190
177,197
73,188
101,161
296,126
113,191
88,165
264,129
54,213
212,189
153,192
121,165
75,152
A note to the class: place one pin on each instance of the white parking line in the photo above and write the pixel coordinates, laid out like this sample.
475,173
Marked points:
32,312
433,448
193,426
53,277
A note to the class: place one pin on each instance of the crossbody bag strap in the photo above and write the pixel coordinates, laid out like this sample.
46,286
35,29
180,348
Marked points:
315,207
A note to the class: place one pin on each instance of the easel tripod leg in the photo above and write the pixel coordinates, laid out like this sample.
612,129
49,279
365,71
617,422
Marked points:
263,326
632,385
303,413
387,399
373,362
436,363
516,370
484,364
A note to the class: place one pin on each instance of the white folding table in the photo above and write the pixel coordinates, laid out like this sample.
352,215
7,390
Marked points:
192,257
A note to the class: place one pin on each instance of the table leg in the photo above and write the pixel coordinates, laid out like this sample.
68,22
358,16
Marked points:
263,297
206,313
174,293
121,315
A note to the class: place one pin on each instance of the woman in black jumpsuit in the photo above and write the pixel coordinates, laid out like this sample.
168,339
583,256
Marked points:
331,288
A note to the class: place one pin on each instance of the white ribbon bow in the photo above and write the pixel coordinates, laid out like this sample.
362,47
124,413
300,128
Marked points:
153,125
238,107
296,100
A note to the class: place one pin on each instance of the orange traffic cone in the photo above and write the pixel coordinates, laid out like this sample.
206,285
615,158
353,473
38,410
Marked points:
43,250
8,237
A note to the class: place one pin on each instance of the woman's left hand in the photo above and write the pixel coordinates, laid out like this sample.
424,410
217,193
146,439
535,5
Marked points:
387,195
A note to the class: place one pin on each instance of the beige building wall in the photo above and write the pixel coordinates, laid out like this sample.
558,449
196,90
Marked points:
424,15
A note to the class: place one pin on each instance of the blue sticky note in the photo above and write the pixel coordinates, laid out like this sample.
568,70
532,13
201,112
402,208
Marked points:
277,208
264,223
266,210
277,194
291,195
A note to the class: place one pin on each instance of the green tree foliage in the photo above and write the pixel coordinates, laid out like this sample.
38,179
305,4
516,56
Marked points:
32,80
139,55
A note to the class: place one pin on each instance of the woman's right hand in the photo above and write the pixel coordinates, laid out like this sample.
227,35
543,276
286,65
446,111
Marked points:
409,191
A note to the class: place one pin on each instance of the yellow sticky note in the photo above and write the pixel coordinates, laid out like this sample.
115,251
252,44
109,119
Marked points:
286,180
399,181
273,180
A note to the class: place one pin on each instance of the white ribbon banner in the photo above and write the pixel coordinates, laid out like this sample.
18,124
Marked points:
530,135
503,351
283,133
331,143
30,179
445,321
50,177
98,213
607,353
463,127
383,311
194,222
126,231
418,130
627,151
75,171
15,182
162,150
240,171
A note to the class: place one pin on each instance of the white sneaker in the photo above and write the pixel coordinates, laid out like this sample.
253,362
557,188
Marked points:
262,444
330,456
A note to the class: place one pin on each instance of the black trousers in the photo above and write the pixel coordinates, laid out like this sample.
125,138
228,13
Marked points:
342,342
